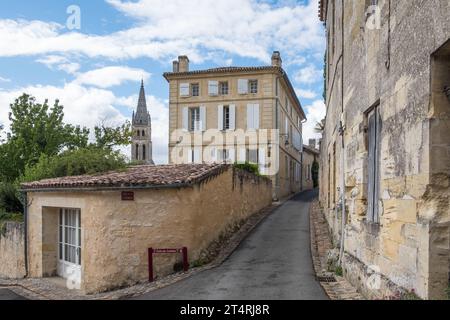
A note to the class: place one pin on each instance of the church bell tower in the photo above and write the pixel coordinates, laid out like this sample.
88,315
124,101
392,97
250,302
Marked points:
141,148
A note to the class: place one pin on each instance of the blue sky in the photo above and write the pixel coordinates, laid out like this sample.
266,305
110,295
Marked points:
95,70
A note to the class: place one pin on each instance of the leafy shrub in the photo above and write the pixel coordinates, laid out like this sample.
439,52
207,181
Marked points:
82,161
9,198
249,167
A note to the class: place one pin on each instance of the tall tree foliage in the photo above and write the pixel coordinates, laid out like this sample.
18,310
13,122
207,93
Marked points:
38,129
40,145
107,137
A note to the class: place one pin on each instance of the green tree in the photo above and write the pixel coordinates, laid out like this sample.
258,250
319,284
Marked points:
40,145
320,126
89,160
108,137
38,129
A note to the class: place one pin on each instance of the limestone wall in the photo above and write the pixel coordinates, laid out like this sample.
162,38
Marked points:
12,257
392,65
116,234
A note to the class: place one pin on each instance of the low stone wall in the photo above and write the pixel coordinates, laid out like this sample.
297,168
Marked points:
116,234
12,257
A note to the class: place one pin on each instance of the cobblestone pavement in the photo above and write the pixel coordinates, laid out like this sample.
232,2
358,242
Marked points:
51,289
337,288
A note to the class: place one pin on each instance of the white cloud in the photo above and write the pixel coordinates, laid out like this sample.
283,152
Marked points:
307,94
4,79
60,63
314,113
91,106
308,75
111,76
248,29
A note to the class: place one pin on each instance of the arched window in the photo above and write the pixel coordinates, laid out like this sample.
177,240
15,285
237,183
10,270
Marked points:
143,153
143,133
137,152
138,133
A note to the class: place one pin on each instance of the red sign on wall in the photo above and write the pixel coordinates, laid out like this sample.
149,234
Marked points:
127,196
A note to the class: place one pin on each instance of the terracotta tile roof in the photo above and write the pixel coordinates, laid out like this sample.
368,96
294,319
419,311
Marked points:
137,176
322,10
223,70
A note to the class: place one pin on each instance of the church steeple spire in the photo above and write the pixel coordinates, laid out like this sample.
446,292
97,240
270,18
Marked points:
141,149
142,116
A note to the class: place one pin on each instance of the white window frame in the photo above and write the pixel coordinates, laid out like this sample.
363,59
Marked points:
195,119
222,85
250,88
193,85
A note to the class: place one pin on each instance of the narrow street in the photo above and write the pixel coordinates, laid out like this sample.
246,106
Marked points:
273,262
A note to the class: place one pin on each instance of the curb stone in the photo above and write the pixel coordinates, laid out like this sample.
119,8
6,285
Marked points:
340,289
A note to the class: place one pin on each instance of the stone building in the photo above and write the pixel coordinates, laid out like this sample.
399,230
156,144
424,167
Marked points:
141,146
237,114
386,145
95,230
310,156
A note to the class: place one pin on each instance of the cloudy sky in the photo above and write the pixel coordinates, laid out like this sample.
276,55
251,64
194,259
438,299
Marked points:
95,71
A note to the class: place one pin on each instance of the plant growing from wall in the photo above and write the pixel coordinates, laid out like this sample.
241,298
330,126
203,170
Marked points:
249,167
315,173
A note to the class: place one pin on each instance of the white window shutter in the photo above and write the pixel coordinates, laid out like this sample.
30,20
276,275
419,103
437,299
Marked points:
190,158
242,86
242,155
220,117
262,160
213,155
213,88
186,118
232,117
256,116
202,118
232,155
184,89
197,158
250,117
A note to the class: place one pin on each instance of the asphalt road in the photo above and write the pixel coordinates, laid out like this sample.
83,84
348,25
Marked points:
273,262
6,294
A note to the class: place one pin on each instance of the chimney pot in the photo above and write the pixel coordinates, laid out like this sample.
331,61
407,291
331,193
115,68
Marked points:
175,66
183,64
276,59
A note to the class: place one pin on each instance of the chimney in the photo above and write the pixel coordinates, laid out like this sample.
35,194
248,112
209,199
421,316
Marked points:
183,64
312,143
175,66
276,59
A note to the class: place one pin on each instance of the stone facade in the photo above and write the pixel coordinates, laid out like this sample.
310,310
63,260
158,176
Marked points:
386,145
310,155
116,234
12,254
208,92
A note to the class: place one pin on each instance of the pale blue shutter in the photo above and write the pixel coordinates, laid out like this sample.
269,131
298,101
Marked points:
202,118
220,117
185,118
232,117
